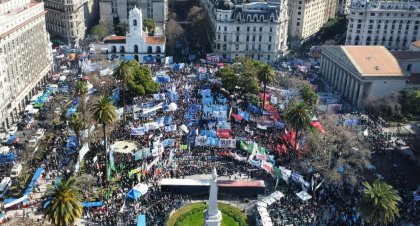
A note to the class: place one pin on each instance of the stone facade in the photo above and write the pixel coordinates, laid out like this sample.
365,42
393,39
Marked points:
69,19
25,55
257,30
393,24
151,9
308,16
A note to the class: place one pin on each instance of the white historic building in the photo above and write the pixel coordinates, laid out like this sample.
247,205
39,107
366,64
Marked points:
69,19
257,29
393,24
25,55
308,16
358,72
137,44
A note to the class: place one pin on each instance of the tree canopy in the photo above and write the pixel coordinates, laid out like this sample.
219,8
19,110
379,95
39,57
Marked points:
63,206
379,205
99,32
149,24
140,82
308,95
121,28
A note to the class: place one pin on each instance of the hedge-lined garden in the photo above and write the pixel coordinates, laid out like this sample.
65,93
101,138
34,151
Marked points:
193,215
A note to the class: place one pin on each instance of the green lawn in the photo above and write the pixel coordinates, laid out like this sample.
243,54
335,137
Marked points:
198,217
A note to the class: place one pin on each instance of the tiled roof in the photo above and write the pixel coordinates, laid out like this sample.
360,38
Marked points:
416,43
155,40
115,39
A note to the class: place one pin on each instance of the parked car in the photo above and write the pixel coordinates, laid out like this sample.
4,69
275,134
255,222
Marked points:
39,134
15,172
5,138
12,130
33,142
4,186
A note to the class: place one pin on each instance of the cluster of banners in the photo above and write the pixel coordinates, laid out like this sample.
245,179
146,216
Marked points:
259,158
161,122
215,142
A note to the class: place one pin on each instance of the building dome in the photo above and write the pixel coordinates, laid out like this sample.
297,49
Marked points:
225,5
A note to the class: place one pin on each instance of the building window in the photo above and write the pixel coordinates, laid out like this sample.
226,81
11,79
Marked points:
224,38
122,49
268,57
247,29
247,38
253,38
260,29
260,38
134,22
136,48
237,38
218,36
225,28
409,67
158,49
149,49
237,46
237,28
224,46
269,38
297,23
269,47
271,29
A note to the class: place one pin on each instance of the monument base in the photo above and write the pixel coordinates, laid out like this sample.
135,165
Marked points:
214,220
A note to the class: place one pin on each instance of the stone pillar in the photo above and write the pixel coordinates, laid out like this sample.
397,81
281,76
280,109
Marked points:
355,92
340,80
351,88
348,84
360,95
343,82
331,75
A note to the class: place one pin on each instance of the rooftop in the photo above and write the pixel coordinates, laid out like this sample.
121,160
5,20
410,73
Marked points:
155,40
115,39
373,60
416,43
406,55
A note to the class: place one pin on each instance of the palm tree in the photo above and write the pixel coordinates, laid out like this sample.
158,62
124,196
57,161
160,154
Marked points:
379,205
63,205
265,75
123,73
308,95
81,91
77,124
104,112
298,116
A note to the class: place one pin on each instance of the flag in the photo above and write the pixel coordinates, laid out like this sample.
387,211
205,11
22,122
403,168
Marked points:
277,172
184,147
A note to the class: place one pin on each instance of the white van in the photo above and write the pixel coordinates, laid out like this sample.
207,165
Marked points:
4,186
16,170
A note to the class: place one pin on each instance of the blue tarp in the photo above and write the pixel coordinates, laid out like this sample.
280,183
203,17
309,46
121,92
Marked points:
163,79
133,194
173,96
11,157
11,139
141,220
91,204
34,181
168,120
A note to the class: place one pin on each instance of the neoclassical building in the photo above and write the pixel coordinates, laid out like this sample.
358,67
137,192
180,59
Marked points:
393,24
137,44
69,19
358,72
257,30
25,55
308,16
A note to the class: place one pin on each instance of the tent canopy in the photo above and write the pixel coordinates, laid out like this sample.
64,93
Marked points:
141,220
91,204
137,191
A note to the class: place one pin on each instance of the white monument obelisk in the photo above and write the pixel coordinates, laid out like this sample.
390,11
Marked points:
212,215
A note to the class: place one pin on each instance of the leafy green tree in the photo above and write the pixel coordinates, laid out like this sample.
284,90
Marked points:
77,124
298,117
242,74
265,75
63,203
410,102
121,28
141,81
308,95
123,74
379,205
99,32
104,112
149,24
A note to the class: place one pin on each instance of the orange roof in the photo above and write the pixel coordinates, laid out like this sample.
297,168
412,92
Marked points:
373,60
115,39
155,40
416,43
